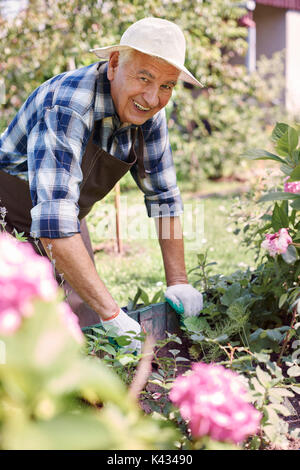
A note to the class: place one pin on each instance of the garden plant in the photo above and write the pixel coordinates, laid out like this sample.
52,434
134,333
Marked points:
228,392
231,113
250,321
228,379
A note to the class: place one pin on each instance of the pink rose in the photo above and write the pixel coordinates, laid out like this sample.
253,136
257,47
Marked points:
214,402
277,243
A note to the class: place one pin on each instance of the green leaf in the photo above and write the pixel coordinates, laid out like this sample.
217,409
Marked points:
297,237
282,146
263,377
126,359
279,218
196,324
279,130
198,337
259,154
291,255
281,392
174,352
284,206
136,298
122,340
286,169
286,139
295,175
282,300
262,357
272,415
232,293
257,386
145,297
296,156
256,334
296,205
181,359
279,196
292,139
156,297
294,371
275,335
201,258
271,432
255,443
221,338
156,376
83,431
109,349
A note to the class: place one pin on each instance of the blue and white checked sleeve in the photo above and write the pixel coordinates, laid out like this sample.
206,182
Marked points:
161,193
55,147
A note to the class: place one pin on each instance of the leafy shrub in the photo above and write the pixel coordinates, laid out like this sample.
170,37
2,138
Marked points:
207,131
52,396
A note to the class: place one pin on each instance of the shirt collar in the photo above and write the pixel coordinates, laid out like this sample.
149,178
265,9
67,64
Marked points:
104,105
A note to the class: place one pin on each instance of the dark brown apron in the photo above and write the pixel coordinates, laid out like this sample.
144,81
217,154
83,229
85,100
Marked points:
101,171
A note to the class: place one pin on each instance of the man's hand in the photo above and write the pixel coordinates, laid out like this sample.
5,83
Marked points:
180,294
184,299
122,323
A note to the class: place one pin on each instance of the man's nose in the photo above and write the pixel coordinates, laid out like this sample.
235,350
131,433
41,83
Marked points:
151,96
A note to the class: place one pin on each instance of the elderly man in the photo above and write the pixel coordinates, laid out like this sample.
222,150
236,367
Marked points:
74,138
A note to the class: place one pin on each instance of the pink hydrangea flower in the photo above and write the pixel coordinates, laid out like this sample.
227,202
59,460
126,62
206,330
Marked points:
277,243
24,277
214,402
292,187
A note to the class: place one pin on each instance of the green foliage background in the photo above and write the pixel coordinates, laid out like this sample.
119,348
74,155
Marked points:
210,128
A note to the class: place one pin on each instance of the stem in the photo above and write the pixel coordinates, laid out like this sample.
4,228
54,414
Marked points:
204,277
143,370
204,355
287,336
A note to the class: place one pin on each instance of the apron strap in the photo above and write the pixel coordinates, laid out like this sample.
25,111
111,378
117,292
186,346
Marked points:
140,155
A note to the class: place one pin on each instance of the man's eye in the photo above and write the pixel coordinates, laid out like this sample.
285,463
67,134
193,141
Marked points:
144,79
166,87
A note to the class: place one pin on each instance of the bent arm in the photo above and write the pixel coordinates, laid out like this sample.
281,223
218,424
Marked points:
172,247
73,261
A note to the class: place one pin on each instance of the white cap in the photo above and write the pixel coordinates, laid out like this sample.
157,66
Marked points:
158,38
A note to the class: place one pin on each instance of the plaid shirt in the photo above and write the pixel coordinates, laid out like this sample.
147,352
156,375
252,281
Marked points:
46,140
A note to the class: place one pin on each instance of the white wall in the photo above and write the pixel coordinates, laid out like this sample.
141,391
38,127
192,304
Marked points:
293,62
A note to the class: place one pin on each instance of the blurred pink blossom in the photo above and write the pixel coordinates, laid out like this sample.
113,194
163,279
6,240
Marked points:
71,321
24,277
277,243
293,187
10,320
214,402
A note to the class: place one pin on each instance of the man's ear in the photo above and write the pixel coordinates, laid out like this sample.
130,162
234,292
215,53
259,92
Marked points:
112,65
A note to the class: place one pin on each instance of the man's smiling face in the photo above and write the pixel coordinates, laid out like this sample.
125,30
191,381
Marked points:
140,86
